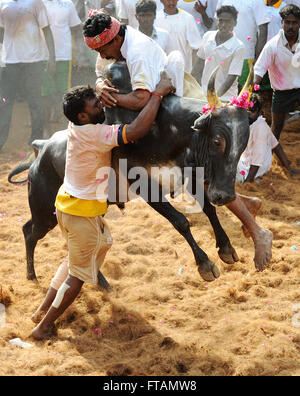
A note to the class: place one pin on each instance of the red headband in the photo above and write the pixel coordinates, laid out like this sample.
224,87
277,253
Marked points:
106,36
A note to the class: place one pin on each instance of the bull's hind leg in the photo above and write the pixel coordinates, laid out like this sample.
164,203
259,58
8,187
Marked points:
33,232
208,270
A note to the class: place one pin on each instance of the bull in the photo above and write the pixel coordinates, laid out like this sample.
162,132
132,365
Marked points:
181,135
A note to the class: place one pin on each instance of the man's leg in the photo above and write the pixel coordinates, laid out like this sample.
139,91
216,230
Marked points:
33,89
60,276
262,238
277,123
8,88
66,294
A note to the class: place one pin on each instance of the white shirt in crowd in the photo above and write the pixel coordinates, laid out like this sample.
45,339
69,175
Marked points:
23,40
62,15
282,64
251,14
145,60
163,38
229,56
275,20
126,10
189,6
295,2
259,149
183,31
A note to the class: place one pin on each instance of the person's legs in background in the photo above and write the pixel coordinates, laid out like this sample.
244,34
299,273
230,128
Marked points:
33,87
8,88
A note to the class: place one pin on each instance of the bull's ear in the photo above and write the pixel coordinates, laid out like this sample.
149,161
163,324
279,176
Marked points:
202,123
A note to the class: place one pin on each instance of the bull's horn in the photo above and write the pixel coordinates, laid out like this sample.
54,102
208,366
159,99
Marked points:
249,82
212,96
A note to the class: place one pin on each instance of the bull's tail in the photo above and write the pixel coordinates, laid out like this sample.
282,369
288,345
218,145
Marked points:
19,169
37,146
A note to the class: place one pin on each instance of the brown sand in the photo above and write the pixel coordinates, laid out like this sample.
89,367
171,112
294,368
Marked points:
157,322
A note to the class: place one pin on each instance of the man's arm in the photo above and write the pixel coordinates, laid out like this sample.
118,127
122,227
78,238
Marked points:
202,10
226,84
252,173
198,69
142,124
51,49
262,39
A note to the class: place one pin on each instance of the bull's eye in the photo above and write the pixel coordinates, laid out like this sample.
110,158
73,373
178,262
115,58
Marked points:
219,144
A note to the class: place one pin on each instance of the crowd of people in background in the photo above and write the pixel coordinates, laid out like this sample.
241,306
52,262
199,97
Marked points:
43,54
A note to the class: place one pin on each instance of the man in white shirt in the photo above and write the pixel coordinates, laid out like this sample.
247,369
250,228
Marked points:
145,15
203,12
251,29
145,60
256,160
24,26
64,23
221,48
182,29
126,12
281,57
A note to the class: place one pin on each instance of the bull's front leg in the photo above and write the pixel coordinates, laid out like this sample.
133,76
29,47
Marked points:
226,251
207,269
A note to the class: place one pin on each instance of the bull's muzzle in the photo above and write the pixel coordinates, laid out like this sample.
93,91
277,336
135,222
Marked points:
220,198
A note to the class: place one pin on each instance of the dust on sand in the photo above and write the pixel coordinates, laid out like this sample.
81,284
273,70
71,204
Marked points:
161,318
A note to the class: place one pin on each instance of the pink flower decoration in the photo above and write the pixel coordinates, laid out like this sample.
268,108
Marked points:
208,59
198,20
248,38
242,173
256,87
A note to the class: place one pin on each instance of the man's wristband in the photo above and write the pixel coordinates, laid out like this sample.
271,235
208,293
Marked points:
157,95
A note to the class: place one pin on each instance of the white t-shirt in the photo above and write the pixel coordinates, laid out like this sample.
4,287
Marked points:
183,31
259,149
189,6
163,38
275,23
62,15
295,2
24,40
229,56
126,10
282,64
251,14
145,59
88,150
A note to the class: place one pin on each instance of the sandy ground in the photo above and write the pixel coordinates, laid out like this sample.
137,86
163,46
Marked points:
161,318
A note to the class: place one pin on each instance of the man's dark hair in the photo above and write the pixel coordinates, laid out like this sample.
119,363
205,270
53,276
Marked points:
74,101
290,9
229,9
145,6
257,103
97,23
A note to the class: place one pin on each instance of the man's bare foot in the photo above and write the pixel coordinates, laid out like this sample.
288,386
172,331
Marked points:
38,316
42,332
253,205
263,249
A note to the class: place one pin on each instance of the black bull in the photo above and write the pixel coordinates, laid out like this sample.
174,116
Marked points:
181,136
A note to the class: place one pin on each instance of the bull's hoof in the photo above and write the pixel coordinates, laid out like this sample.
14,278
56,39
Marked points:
228,254
209,271
31,276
